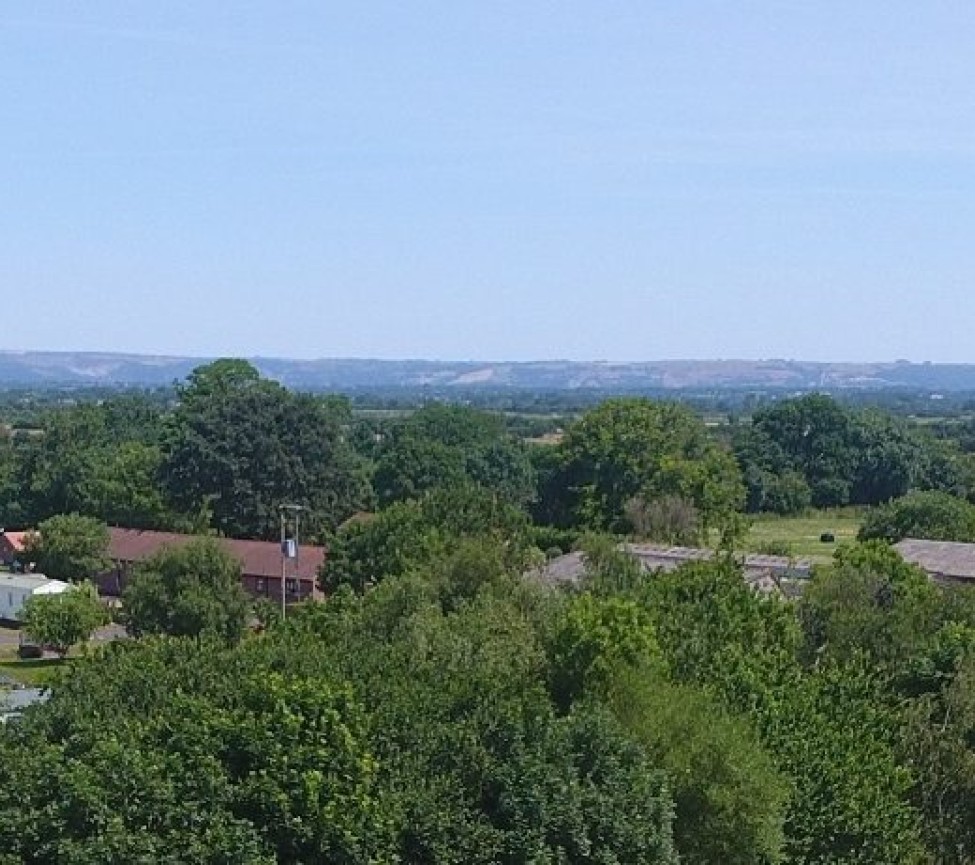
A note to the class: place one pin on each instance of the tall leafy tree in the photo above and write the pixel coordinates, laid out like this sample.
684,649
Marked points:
192,590
409,535
636,448
443,446
814,432
868,603
932,515
69,547
99,460
240,446
64,620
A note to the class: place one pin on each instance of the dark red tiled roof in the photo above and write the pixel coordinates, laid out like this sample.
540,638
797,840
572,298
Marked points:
257,558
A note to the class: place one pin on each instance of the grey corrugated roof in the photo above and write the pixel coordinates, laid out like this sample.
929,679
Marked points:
762,572
561,570
948,559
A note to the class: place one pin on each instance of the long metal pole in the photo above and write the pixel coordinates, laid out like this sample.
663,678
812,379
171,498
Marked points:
284,566
297,553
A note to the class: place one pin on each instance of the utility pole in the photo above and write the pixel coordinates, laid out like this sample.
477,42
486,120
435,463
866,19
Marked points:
289,549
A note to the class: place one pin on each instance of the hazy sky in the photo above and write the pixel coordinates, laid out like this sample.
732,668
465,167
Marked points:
490,180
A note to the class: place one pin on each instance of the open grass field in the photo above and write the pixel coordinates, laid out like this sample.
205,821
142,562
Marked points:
801,534
27,672
31,672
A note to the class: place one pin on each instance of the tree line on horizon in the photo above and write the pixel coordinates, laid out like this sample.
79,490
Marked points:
233,446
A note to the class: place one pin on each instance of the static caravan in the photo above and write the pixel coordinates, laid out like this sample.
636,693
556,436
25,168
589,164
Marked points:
15,589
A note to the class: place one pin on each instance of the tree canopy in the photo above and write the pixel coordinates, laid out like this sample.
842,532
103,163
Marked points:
238,446
63,620
191,590
632,448
934,516
445,445
69,547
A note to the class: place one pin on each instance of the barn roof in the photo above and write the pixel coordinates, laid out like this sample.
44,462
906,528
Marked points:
946,559
257,558
762,572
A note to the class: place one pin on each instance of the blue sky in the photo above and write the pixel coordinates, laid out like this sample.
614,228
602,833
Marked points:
495,180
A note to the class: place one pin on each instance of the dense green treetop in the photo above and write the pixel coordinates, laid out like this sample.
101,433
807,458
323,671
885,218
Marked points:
814,450
445,445
935,516
64,620
634,448
238,446
456,714
69,547
408,535
191,590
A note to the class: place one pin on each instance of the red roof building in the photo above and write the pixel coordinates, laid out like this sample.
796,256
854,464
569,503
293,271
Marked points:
260,561
11,546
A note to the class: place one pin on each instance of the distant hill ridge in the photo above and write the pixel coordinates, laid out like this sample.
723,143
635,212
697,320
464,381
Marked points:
50,368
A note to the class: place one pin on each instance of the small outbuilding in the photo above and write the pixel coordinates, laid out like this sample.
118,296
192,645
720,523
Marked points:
15,589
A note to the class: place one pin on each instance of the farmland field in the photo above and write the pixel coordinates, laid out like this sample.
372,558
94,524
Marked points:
801,534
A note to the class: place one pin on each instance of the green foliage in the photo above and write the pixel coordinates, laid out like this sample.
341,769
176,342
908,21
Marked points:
333,738
730,799
635,448
390,544
869,602
669,520
935,516
241,446
938,744
410,535
447,446
69,547
835,736
458,713
609,568
715,630
813,433
63,620
191,590
775,548
175,763
96,460
591,639
771,484
812,450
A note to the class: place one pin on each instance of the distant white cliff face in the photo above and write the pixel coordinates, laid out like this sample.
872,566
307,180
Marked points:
38,369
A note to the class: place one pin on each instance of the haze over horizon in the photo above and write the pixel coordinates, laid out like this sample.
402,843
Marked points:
474,360
628,182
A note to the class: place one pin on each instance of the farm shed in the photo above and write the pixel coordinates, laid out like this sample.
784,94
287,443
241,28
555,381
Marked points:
776,575
945,561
